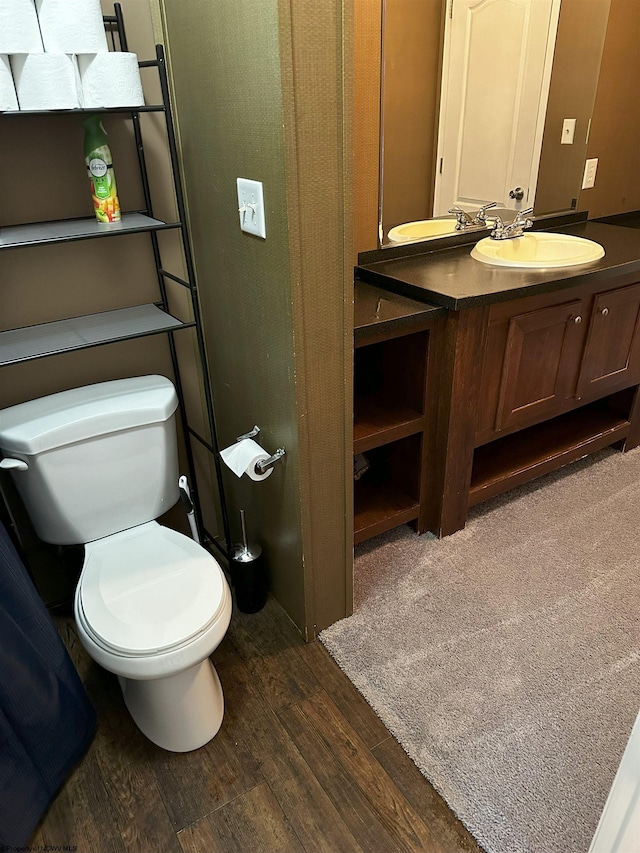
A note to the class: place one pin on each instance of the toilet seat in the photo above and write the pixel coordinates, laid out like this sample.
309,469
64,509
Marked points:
149,590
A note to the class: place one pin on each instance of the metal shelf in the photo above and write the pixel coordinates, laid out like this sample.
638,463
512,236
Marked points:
31,342
67,230
146,108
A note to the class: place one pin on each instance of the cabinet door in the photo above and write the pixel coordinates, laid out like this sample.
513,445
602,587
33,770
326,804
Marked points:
612,354
540,364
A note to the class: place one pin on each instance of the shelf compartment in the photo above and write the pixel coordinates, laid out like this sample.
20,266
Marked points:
389,390
374,426
377,511
67,230
387,495
520,457
76,333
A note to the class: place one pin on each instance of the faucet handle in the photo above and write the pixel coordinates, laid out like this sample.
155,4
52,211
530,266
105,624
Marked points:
520,217
481,216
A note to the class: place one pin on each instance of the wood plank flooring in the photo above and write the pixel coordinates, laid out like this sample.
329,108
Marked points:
300,765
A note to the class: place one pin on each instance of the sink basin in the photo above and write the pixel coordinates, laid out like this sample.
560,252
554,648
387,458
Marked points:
537,250
421,229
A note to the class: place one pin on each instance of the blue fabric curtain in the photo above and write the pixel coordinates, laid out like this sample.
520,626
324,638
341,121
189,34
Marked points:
46,720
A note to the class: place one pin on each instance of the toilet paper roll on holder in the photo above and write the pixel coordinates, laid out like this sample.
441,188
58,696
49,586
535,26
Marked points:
263,464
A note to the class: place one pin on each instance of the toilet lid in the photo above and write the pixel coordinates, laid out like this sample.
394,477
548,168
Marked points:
148,589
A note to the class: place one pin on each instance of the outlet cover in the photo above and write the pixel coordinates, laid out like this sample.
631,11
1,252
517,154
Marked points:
589,178
251,207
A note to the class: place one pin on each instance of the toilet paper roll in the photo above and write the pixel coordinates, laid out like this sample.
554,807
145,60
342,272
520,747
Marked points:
72,26
8,97
46,81
242,457
19,31
110,80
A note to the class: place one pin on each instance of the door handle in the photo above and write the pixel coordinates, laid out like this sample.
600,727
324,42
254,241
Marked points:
517,193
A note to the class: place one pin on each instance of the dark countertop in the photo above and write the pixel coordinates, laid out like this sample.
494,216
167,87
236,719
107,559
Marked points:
452,278
380,311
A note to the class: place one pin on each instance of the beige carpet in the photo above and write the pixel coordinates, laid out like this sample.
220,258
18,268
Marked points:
506,658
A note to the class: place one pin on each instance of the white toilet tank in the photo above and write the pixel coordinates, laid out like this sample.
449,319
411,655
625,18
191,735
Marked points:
101,459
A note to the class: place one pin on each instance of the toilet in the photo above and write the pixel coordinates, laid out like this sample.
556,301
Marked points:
97,466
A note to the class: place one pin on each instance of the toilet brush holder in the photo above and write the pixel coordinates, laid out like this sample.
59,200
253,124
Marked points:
248,574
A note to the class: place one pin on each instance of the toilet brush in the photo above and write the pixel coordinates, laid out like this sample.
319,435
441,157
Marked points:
248,573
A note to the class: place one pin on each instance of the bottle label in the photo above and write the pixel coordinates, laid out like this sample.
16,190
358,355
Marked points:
99,172
103,185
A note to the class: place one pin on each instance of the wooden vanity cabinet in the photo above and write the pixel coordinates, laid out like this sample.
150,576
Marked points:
392,426
546,354
612,352
559,379
540,364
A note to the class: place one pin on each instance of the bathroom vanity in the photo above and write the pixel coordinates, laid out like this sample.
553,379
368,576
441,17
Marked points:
528,369
395,341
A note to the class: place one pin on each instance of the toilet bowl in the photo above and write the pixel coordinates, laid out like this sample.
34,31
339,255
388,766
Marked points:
151,605
97,465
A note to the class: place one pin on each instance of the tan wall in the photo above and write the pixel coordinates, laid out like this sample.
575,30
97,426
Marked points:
412,58
47,180
366,120
44,177
260,93
412,42
574,79
615,129
411,88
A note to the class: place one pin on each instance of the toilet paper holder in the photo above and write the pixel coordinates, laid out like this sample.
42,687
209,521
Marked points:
262,466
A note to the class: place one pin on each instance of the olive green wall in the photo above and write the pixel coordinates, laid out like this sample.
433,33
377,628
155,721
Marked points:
259,93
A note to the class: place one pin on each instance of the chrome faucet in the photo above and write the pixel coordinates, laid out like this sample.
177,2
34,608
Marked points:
464,219
500,231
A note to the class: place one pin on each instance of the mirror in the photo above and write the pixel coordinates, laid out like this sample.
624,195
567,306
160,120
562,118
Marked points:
483,101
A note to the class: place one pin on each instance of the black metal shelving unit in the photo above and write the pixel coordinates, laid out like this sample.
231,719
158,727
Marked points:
34,342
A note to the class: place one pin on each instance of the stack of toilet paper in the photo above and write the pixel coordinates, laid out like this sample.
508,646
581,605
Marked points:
54,56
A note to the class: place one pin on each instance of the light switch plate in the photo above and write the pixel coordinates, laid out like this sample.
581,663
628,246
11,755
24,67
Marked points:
589,178
251,207
568,131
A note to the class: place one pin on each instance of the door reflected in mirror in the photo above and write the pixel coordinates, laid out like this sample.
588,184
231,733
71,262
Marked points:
475,94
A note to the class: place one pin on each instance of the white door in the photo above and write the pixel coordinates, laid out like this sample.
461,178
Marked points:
495,82
619,827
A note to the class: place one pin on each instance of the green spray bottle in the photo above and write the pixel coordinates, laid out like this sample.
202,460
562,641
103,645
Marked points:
97,156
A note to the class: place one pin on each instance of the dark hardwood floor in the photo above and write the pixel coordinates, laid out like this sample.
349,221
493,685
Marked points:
301,763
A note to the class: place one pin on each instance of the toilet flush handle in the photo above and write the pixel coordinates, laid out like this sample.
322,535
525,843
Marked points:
185,497
14,464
